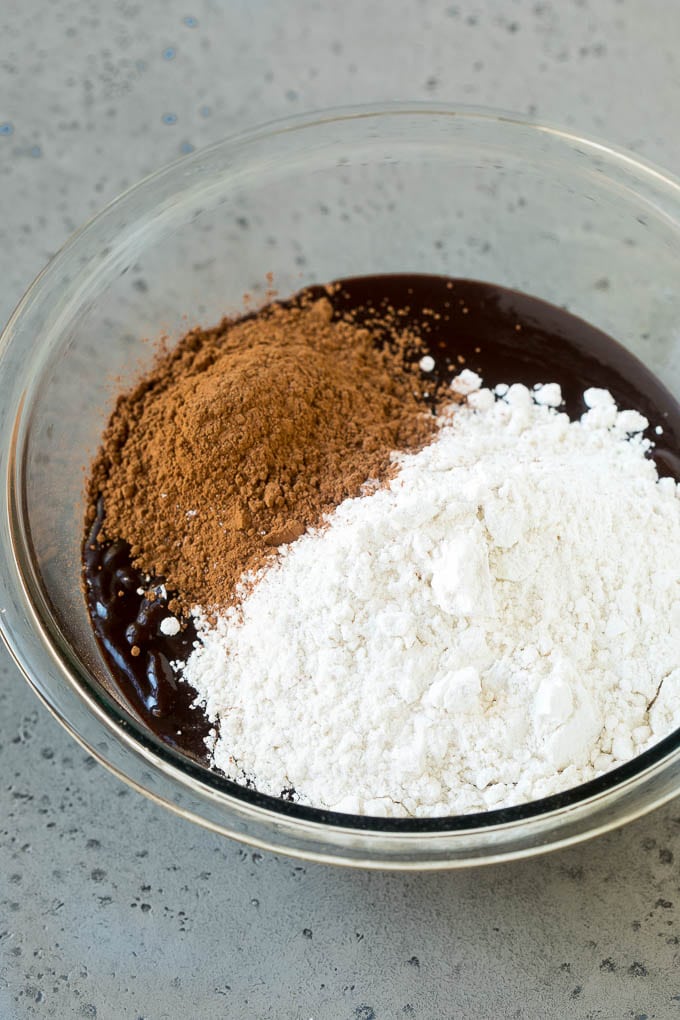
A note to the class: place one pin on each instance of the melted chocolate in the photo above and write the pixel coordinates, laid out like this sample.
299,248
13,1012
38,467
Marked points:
503,335
126,623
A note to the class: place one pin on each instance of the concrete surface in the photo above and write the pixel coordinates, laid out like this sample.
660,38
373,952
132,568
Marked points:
109,906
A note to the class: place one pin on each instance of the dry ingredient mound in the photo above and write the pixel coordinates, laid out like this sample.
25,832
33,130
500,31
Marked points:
244,436
498,624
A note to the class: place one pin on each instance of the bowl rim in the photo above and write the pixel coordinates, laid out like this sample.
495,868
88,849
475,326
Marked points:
24,600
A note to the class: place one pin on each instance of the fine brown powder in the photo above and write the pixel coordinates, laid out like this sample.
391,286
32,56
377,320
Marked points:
244,435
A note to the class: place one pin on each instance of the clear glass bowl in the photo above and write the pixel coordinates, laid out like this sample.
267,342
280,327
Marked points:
463,192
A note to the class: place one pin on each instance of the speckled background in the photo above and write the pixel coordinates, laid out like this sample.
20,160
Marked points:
109,906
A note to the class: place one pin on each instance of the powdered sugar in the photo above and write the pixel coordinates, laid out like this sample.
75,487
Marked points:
489,629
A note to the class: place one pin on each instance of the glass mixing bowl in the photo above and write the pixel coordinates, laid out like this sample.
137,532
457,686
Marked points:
416,188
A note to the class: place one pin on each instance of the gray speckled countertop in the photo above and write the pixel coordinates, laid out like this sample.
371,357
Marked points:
110,907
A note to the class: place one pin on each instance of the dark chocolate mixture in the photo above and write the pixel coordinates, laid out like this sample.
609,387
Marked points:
503,335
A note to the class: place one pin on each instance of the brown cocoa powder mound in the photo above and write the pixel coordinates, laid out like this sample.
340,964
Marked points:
244,436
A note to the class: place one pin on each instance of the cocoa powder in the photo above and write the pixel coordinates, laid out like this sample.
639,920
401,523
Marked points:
245,435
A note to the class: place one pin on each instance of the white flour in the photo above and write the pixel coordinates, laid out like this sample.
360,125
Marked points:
491,628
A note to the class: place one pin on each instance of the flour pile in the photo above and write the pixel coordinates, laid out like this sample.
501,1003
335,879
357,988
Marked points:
501,623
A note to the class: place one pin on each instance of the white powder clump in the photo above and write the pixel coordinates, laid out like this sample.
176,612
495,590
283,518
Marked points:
466,382
170,626
498,624
594,397
549,394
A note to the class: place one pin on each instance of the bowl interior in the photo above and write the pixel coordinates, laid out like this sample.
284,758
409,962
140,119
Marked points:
435,191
